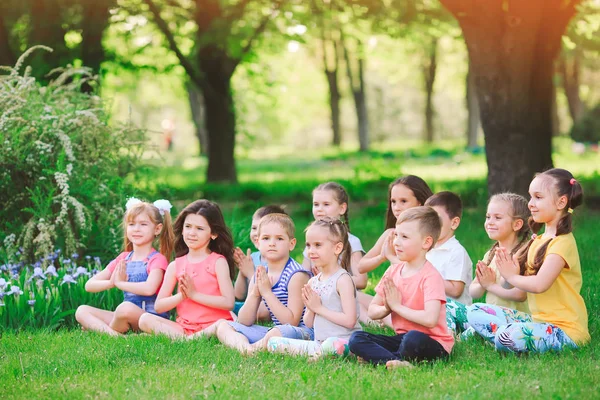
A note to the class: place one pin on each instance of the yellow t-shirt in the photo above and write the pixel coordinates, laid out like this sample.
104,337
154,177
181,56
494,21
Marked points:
491,298
561,305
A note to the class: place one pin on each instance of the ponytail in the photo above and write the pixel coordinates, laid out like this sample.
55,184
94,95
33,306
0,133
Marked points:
167,237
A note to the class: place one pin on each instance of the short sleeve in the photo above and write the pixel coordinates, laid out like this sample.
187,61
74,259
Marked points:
566,247
390,272
433,287
113,264
158,261
458,267
355,244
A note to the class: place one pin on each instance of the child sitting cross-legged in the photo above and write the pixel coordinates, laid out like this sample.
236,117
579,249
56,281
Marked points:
413,292
278,284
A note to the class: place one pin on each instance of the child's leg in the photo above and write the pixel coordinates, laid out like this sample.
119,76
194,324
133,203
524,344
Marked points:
294,346
286,331
531,337
95,319
417,346
487,318
230,334
376,349
126,316
151,323
456,315
337,347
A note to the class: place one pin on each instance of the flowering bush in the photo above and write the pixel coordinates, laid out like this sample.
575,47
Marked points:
62,167
34,296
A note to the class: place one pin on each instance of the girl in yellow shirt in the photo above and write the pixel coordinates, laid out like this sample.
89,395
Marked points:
548,269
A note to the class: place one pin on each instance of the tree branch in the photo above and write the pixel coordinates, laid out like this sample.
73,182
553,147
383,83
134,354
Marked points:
185,63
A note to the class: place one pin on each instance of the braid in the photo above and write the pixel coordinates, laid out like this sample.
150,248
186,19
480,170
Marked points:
491,254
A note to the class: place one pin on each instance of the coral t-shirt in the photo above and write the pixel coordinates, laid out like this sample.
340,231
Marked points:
416,290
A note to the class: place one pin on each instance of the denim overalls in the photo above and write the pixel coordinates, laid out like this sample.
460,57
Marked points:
137,272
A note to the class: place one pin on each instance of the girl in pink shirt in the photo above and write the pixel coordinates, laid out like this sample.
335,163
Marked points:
202,271
413,293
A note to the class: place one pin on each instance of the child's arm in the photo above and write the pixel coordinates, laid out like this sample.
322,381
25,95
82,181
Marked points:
428,317
360,280
147,288
381,252
549,271
378,309
225,301
293,312
103,280
245,266
248,313
476,290
454,288
486,280
347,292
166,300
309,317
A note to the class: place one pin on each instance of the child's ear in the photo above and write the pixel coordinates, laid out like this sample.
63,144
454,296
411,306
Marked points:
339,247
518,224
344,207
427,243
158,229
292,243
454,223
562,202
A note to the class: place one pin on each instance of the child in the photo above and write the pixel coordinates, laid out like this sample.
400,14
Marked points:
548,269
451,259
505,222
247,263
413,292
403,193
279,286
202,271
330,297
331,200
138,271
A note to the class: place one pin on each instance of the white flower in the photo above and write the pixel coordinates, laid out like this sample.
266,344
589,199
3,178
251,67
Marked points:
51,270
37,273
163,206
68,279
80,271
3,283
14,290
132,202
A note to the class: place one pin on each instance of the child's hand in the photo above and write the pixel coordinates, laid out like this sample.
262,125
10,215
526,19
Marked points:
244,262
313,268
255,292
120,273
187,286
505,264
393,298
262,281
485,275
311,299
387,249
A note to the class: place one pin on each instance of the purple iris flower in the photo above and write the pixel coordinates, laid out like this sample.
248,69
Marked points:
51,270
68,279
15,290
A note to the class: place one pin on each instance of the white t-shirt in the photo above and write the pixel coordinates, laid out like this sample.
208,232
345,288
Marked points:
355,245
453,263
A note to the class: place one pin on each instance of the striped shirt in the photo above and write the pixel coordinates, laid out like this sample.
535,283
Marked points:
280,289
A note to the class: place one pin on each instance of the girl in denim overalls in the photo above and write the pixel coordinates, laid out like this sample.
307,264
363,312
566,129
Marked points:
202,271
138,271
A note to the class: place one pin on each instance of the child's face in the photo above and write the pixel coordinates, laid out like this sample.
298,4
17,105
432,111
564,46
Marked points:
274,243
544,206
448,225
254,231
409,243
196,232
141,230
402,198
321,249
499,225
325,205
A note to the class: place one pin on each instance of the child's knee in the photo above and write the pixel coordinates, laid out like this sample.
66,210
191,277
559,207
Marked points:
81,312
145,322
127,311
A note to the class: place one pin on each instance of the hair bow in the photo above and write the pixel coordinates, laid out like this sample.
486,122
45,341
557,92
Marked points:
132,201
164,206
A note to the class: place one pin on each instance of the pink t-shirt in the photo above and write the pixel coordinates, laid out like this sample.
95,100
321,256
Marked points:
416,290
158,261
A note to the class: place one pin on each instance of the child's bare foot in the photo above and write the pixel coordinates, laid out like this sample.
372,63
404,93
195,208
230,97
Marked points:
394,364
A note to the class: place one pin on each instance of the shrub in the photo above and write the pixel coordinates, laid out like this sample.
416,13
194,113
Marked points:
587,129
62,166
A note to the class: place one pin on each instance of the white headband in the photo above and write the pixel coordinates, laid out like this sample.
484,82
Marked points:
162,205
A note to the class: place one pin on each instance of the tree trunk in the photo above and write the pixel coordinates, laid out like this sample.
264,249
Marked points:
198,111
358,94
555,117
512,46
7,57
95,21
429,72
569,70
217,69
473,111
334,106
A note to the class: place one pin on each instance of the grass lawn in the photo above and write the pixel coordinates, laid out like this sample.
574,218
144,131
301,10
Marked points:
73,364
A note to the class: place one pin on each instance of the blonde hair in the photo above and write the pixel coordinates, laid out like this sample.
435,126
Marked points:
167,237
430,223
338,232
283,220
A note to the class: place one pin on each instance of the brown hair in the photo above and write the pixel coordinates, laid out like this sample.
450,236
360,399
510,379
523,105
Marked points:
283,220
166,233
450,201
340,194
338,233
518,210
430,223
222,244
420,190
562,183
266,210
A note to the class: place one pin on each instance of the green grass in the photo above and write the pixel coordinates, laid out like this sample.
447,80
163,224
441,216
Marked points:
73,364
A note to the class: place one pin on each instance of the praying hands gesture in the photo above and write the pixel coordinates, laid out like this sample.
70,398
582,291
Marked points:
311,299
485,275
392,297
244,262
507,266
387,249
263,283
119,274
187,287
